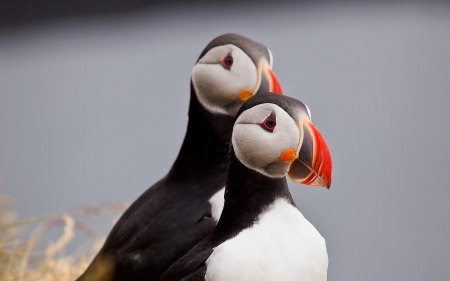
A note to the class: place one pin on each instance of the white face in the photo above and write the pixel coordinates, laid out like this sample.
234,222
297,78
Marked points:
260,149
217,86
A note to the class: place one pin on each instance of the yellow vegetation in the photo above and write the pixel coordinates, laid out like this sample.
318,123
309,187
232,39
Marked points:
29,259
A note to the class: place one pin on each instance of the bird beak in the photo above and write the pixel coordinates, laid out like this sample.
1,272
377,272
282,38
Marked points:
267,82
312,165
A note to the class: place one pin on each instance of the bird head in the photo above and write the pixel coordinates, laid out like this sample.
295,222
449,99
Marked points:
274,136
230,70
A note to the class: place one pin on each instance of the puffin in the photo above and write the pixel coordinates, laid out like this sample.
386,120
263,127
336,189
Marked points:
261,234
183,207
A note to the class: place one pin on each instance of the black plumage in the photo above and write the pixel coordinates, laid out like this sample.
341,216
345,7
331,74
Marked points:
248,195
174,214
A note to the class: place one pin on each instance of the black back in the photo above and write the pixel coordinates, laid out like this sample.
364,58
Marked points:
247,194
174,214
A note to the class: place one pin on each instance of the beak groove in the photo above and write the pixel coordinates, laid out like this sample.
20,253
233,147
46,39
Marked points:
275,86
313,165
267,81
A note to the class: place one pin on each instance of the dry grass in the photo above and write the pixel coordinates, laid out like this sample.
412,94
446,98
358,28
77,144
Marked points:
37,257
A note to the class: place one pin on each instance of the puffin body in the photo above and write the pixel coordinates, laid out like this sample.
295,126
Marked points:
182,208
261,234
269,249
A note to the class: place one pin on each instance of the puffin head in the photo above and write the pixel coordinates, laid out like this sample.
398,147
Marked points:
274,136
231,69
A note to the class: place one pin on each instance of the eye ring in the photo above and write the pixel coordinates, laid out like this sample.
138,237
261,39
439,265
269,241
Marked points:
227,61
269,123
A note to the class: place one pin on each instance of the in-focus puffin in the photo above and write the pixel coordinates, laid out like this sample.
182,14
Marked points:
176,213
261,235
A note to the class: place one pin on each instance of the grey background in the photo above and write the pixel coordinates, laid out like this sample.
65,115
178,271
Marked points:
95,109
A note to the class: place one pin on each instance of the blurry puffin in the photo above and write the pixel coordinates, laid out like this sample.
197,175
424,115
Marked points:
261,235
178,211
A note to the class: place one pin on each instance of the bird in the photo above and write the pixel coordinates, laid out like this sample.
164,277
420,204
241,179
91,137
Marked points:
261,234
182,208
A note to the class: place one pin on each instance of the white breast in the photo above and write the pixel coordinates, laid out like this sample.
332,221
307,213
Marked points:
217,201
283,245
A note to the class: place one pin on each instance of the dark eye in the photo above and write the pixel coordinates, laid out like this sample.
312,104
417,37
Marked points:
227,61
269,123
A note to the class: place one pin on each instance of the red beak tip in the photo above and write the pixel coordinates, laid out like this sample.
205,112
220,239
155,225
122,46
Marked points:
275,84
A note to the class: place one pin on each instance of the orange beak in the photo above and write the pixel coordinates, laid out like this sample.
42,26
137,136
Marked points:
267,82
313,165
275,86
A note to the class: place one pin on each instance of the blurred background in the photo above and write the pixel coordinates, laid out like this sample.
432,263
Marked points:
94,99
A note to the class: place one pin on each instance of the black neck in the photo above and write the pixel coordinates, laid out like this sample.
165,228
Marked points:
247,194
203,156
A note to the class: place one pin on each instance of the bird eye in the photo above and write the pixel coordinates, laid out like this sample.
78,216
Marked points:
227,61
269,123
